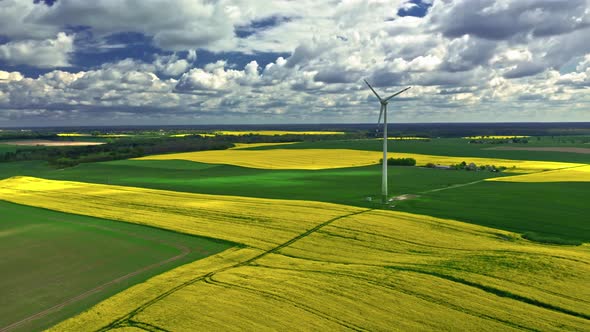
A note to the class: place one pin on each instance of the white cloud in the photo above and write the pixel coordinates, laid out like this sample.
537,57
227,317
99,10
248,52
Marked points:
463,55
171,65
6,77
45,53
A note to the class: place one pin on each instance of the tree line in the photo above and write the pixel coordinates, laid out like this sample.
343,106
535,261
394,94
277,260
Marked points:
133,147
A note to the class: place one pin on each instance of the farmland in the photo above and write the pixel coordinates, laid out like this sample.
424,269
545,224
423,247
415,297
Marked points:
7,148
55,264
354,257
276,132
481,204
314,159
572,174
321,185
458,147
314,245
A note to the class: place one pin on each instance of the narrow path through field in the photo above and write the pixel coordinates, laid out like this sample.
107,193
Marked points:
478,181
184,251
451,187
127,320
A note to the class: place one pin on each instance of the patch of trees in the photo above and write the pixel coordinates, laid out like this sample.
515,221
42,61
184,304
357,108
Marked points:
133,147
67,156
473,167
499,141
400,161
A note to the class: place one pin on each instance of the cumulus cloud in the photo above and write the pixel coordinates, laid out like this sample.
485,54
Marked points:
6,77
463,58
501,20
45,53
171,65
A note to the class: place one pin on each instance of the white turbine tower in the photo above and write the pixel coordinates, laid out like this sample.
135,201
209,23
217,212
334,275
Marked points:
383,112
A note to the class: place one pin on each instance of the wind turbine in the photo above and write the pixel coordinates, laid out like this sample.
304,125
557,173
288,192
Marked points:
383,112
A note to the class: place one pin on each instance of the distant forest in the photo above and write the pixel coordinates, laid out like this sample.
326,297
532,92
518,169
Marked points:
132,147
147,140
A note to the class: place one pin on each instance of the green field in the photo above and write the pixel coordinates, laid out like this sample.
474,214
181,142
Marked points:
8,148
552,212
349,186
51,258
520,207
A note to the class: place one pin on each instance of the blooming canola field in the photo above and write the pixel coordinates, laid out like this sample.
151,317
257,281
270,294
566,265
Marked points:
306,265
572,174
314,159
276,132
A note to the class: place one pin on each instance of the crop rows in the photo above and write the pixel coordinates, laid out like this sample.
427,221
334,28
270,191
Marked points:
309,265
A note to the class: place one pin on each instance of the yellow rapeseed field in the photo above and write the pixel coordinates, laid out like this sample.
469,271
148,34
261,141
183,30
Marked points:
338,158
72,135
88,135
194,134
255,145
403,138
277,132
572,174
278,158
318,266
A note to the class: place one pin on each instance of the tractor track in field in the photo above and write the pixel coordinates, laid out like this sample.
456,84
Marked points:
184,251
422,296
280,298
124,321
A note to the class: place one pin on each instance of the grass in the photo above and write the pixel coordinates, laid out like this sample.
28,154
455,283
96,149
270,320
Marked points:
8,148
50,257
548,210
325,267
345,185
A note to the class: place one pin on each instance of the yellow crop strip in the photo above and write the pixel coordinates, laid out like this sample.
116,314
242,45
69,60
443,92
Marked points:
318,266
403,138
277,132
278,158
338,158
496,137
182,212
255,145
572,174
194,134
72,135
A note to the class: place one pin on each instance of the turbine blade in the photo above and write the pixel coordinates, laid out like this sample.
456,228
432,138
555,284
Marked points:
370,87
397,93
380,115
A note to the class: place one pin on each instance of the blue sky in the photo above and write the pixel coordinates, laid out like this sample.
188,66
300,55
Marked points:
74,62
